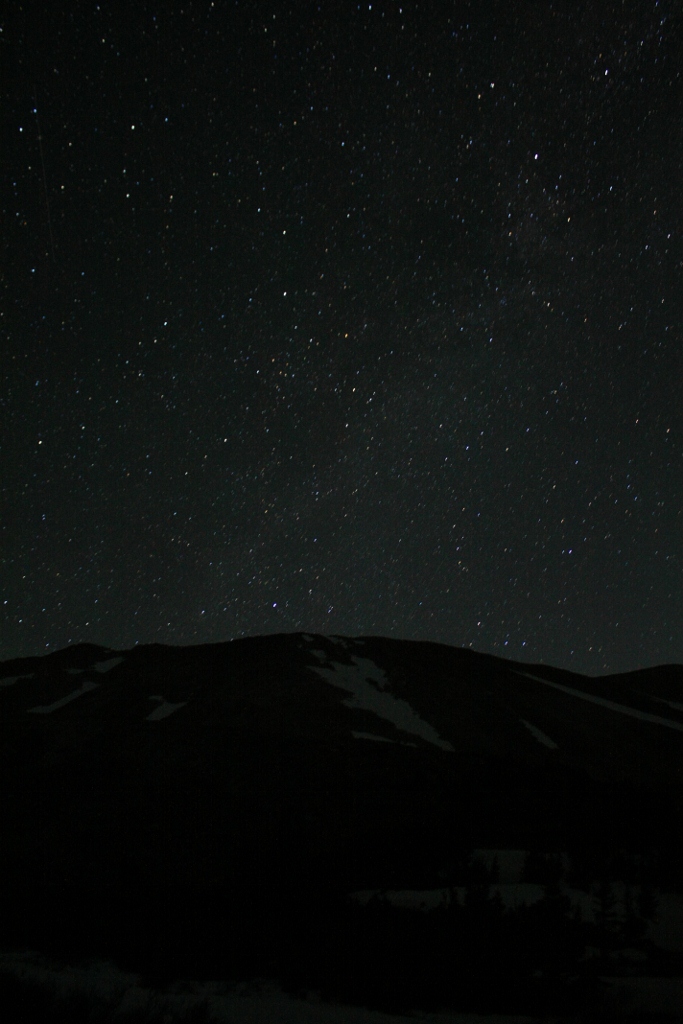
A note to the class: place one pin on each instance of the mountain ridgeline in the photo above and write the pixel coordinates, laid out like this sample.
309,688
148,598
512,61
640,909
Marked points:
394,823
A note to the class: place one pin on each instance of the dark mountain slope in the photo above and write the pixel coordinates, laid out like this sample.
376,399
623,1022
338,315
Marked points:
187,801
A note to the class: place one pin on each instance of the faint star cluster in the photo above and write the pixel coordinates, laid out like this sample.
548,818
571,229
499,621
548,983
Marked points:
345,319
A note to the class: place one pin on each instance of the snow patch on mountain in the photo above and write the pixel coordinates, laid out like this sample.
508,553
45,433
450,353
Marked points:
673,704
11,680
108,665
538,735
366,681
164,710
644,716
47,709
379,739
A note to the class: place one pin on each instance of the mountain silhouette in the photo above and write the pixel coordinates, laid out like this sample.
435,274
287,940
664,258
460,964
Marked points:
258,807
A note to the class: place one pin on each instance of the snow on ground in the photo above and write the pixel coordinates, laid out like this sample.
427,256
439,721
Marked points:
514,895
262,1001
653,995
603,702
510,863
358,679
666,930
247,1003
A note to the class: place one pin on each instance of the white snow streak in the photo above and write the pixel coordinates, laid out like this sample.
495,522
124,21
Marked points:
358,678
10,680
612,705
47,709
380,739
107,666
164,710
540,736
672,703
370,736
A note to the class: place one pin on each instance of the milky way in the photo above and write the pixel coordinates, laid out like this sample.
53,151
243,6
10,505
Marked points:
352,320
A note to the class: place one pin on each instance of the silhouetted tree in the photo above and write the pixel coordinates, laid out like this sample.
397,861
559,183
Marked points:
542,868
607,919
647,904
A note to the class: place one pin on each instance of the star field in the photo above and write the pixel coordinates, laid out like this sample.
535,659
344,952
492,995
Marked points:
346,318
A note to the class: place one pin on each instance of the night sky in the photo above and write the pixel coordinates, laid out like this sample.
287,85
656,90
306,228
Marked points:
344,318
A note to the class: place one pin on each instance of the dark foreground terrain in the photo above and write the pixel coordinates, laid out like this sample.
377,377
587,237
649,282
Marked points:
394,825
